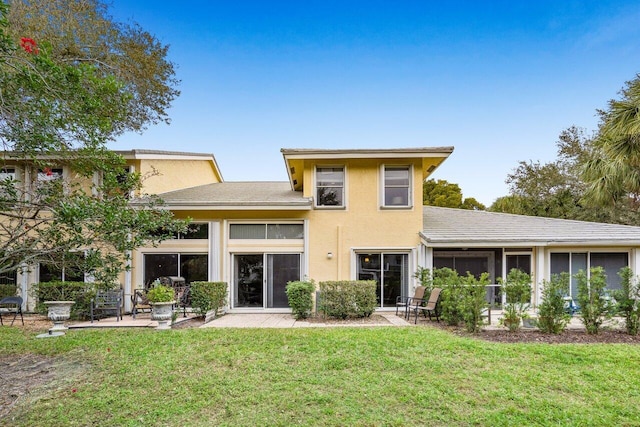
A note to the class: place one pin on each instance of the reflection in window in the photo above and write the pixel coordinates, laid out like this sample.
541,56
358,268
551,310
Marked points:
330,186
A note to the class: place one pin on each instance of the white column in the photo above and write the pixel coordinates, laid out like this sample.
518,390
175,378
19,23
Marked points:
214,251
540,271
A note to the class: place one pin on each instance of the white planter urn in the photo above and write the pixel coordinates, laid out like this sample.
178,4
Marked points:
59,311
162,313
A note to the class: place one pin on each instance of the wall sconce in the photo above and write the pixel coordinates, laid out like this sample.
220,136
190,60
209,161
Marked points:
329,255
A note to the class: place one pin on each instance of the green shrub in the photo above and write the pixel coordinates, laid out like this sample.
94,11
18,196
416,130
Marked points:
208,296
452,296
627,301
425,278
594,308
552,316
300,296
160,293
80,292
474,300
342,299
8,290
517,288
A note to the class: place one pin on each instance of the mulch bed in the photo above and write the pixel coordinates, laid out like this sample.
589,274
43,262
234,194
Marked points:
570,336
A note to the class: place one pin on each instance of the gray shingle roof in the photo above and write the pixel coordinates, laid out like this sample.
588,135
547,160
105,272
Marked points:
475,228
238,194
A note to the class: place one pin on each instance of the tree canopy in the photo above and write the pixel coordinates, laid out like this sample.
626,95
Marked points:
449,195
65,93
612,174
594,178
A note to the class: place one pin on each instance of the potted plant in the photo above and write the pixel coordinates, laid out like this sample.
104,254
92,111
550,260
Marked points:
162,299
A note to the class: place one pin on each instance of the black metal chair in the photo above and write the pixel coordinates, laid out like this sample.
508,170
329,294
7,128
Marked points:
15,307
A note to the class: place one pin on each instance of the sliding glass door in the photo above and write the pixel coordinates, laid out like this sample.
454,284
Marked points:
260,280
390,271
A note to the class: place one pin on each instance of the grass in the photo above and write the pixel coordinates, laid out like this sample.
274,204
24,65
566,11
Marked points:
333,376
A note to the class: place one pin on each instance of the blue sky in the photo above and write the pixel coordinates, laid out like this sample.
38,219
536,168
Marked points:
498,80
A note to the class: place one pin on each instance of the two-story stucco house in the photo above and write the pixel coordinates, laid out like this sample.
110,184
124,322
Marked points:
347,214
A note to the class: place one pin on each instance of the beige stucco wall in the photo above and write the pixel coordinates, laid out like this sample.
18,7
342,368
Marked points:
174,174
362,223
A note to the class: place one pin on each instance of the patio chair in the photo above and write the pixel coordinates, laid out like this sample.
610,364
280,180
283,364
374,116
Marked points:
107,301
404,301
432,306
140,302
14,306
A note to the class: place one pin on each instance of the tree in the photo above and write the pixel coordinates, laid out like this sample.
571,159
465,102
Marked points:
58,109
448,195
557,189
612,174
82,32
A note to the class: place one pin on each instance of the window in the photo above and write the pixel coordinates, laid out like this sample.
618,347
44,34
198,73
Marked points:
69,269
48,181
193,267
572,262
266,231
196,231
330,186
7,182
397,186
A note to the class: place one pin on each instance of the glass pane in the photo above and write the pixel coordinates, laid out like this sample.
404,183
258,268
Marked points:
396,196
197,231
248,273
520,262
394,278
474,265
49,174
285,231
247,231
159,265
7,173
612,263
329,196
282,268
194,268
578,262
329,177
9,278
396,176
369,269
441,262
559,263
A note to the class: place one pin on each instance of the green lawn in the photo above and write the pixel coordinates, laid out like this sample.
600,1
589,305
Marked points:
335,376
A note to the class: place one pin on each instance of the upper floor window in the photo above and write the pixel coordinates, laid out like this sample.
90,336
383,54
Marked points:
48,181
7,182
8,174
330,186
397,186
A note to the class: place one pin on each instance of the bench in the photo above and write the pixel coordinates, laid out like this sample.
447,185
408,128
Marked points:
107,301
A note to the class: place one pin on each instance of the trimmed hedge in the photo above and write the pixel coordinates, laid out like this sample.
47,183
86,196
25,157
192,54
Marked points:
207,296
80,292
355,298
300,296
8,290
